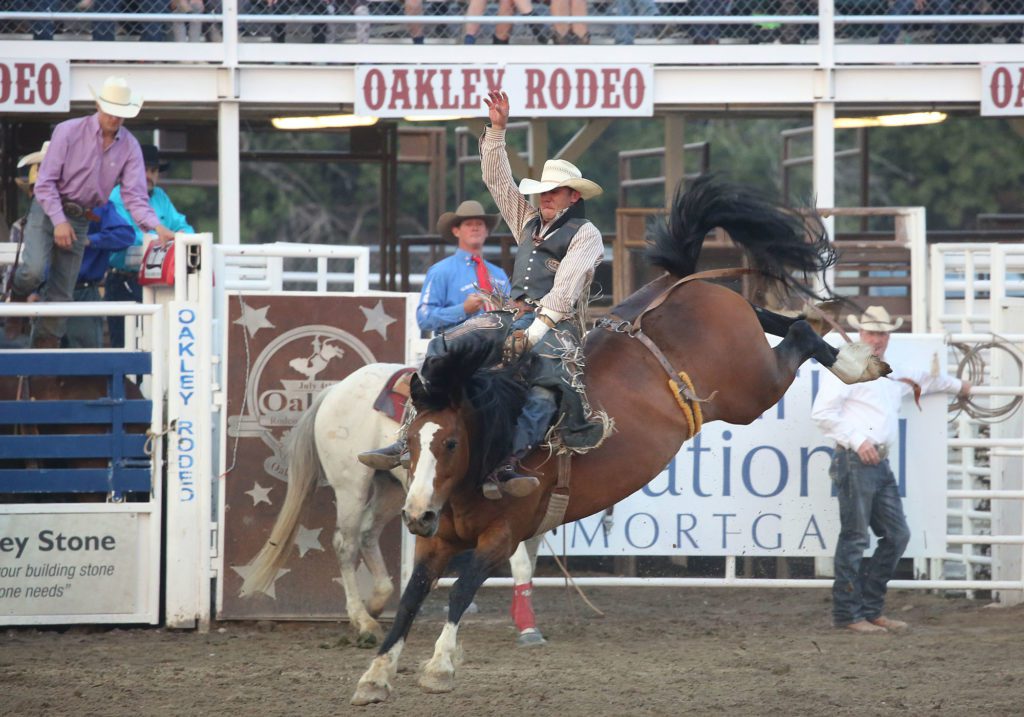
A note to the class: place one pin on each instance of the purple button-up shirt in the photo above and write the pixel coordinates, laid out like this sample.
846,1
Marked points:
77,168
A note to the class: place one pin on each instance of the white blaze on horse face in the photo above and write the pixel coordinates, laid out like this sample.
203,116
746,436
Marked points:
421,490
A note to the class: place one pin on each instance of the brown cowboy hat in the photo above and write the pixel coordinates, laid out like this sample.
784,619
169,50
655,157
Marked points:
875,318
469,209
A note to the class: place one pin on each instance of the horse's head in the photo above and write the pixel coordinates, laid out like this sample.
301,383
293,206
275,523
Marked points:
465,415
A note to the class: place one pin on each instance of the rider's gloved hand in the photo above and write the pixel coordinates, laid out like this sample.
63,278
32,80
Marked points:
544,320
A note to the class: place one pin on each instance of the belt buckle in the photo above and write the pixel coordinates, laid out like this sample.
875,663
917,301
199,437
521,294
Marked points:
73,209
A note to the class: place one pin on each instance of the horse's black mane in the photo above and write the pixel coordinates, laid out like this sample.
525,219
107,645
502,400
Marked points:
469,371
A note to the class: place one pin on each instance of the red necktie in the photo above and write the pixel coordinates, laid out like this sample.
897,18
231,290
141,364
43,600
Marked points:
483,279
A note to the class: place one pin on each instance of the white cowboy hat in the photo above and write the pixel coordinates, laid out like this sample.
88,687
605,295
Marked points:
875,318
116,98
34,157
469,209
32,161
559,173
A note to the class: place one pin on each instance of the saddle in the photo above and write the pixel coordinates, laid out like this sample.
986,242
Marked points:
392,398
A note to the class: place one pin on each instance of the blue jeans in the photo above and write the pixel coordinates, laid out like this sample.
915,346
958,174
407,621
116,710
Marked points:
625,33
943,32
107,31
42,30
538,410
120,287
84,332
868,497
41,260
709,33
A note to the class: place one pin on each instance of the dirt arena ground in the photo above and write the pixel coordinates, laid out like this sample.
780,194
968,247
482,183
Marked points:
657,651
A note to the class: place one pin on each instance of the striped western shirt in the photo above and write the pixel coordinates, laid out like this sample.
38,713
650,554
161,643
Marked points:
576,270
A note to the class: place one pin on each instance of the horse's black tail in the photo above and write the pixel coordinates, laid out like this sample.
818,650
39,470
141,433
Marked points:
784,244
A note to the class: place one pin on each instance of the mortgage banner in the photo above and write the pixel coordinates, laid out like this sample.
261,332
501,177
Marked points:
764,489
533,90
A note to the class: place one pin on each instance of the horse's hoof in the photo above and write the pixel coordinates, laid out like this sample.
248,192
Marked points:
530,638
366,640
368,693
437,682
856,364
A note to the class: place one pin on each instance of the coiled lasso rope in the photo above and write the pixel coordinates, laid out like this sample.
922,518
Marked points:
971,367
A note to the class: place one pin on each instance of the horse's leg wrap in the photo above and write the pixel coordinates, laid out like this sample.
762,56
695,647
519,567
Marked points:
522,607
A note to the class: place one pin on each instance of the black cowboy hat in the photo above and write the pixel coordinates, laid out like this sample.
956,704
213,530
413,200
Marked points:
151,157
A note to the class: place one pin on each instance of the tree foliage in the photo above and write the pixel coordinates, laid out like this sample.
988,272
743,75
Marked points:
957,169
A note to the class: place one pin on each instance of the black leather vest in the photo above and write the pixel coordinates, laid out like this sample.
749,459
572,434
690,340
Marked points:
534,273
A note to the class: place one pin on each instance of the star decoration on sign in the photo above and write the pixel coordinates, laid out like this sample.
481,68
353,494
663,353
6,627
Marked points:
271,592
254,319
307,539
377,319
259,494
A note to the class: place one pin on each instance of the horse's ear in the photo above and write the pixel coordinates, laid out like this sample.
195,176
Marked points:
417,391
432,396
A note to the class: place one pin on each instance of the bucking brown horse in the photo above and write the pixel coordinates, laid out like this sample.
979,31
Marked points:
678,352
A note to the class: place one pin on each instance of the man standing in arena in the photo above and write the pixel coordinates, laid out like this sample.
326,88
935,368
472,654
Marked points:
862,419
463,284
86,159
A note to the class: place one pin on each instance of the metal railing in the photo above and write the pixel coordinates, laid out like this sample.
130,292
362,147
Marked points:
620,22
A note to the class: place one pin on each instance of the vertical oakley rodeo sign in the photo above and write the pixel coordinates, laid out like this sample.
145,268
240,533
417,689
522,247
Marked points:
533,90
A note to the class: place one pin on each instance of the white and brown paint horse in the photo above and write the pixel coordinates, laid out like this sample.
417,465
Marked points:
323,445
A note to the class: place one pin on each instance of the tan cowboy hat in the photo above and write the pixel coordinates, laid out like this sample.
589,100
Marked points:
116,98
875,318
34,157
559,173
469,209
32,161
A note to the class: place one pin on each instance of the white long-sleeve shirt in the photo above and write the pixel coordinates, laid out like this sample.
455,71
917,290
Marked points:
576,270
852,414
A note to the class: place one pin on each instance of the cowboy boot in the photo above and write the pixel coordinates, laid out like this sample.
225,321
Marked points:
506,479
389,457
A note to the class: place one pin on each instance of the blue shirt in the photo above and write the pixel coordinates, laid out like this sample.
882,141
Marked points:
166,214
446,287
111,233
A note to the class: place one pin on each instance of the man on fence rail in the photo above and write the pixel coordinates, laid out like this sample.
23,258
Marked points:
108,231
86,159
122,283
862,419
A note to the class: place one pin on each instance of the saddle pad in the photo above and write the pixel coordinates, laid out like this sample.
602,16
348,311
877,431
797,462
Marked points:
391,400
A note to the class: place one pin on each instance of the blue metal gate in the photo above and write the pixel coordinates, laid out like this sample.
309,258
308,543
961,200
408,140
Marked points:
36,431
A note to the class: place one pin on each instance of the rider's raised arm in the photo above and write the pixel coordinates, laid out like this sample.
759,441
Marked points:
497,174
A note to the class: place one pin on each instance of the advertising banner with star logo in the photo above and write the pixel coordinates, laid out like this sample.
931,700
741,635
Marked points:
283,350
